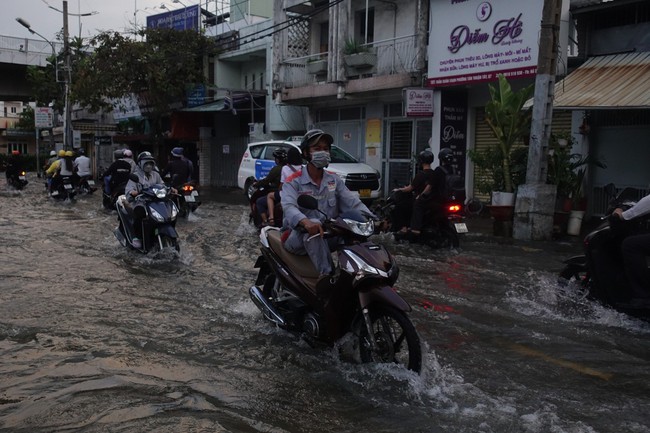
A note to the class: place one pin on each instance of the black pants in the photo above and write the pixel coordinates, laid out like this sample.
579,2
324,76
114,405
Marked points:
635,249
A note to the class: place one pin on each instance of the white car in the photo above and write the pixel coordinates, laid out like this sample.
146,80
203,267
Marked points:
258,161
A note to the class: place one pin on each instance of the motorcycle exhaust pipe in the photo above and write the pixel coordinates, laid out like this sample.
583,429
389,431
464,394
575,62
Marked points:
265,306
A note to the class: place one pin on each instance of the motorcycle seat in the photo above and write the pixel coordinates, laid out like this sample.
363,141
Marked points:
301,264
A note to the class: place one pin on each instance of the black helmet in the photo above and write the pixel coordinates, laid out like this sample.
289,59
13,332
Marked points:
425,157
280,154
446,156
312,136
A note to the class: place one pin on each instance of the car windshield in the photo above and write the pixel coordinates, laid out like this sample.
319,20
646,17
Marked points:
339,155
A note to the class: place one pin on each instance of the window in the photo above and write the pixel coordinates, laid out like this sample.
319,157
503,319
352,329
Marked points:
360,25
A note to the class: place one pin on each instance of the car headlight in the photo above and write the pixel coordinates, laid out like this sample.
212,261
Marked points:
361,228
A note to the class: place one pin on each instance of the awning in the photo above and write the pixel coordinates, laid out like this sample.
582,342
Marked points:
606,82
217,105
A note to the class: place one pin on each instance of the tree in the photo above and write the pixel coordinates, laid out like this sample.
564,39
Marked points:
157,70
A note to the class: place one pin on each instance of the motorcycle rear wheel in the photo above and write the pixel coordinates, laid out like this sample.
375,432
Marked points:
395,336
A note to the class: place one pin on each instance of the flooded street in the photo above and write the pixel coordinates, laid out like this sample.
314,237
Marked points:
96,338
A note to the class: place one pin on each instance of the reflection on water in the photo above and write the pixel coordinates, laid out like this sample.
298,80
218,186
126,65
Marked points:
97,338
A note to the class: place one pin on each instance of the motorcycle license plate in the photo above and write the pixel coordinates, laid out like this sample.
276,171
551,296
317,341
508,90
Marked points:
364,193
91,183
460,227
189,198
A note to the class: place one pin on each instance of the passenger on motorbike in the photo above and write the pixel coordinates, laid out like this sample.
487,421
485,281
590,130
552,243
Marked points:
14,165
635,249
333,197
64,168
415,203
271,182
82,167
294,163
147,177
118,172
179,168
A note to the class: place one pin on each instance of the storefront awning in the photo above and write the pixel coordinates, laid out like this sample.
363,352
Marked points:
217,105
607,82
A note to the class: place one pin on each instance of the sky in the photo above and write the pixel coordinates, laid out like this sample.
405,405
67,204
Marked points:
115,15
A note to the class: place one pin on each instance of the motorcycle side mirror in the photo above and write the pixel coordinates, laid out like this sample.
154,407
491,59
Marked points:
134,177
308,202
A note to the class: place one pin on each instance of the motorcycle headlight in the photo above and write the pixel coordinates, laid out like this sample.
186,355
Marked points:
156,216
160,192
361,228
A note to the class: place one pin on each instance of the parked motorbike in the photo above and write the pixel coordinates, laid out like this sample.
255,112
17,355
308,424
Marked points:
600,271
86,185
18,180
441,229
187,199
362,301
65,189
158,224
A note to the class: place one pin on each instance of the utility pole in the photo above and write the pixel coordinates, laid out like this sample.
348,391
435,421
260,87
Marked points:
67,120
536,199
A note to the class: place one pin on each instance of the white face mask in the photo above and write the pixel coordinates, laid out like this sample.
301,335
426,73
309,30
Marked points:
320,159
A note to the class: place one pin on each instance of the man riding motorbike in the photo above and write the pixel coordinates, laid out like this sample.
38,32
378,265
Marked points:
635,249
299,224
147,176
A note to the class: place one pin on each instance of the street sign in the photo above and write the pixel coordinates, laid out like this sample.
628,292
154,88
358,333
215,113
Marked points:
43,117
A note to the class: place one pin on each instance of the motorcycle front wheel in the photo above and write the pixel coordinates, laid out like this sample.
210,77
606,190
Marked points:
395,339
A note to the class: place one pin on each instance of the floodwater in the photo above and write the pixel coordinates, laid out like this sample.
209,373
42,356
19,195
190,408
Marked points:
95,338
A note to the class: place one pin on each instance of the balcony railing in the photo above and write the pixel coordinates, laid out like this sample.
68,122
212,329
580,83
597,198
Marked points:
394,56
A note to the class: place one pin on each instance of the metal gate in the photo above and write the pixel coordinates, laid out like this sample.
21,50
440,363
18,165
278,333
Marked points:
225,156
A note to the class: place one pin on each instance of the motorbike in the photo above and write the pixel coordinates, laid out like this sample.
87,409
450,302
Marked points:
442,227
86,185
65,189
18,180
599,273
158,224
110,198
187,199
362,301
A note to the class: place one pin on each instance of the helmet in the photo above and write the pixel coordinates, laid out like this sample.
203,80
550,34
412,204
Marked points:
280,154
69,153
177,152
446,155
52,152
145,158
61,153
127,153
425,157
312,136
144,155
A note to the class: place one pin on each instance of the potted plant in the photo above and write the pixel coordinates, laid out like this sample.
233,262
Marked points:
505,165
358,56
567,170
317,65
